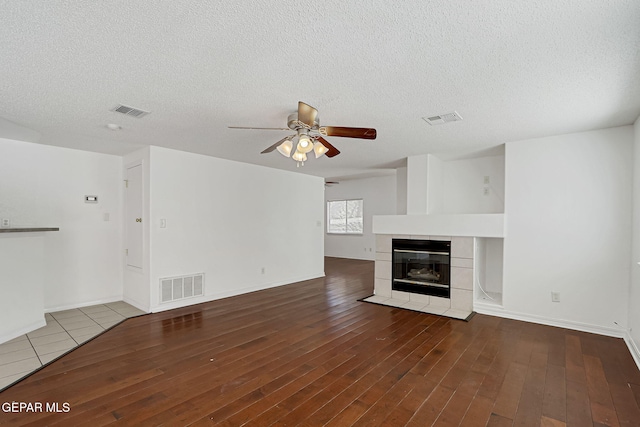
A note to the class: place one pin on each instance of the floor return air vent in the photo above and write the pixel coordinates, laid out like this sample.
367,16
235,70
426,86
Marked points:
181,287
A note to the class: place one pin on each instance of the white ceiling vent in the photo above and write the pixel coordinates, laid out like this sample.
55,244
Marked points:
130,111
443,118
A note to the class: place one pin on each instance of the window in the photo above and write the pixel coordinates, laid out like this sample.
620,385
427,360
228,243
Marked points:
344,217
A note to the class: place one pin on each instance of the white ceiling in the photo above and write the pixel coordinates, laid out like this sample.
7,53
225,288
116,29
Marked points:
512,69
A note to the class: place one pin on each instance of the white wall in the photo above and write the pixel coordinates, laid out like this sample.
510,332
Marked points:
568,227
230,220
417,184
22,283
463,185
634,289
401,190
436,185
457,186
379,198
45,186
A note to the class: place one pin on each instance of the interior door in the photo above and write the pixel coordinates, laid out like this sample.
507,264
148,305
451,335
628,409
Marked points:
133,217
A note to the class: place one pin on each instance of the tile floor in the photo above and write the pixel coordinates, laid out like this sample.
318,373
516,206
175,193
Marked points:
65,330
415,306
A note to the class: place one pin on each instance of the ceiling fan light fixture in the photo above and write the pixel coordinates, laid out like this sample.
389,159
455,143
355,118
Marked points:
309,136
304,144
299,156
319,149
285,148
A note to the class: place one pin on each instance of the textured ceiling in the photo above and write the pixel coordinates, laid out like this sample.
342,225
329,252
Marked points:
512,69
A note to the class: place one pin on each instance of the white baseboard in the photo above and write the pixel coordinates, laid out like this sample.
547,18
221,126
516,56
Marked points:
633,348
493,310
136,304
207,298
82,304
30,328
498,311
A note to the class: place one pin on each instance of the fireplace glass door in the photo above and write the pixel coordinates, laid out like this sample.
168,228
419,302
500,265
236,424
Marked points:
421,266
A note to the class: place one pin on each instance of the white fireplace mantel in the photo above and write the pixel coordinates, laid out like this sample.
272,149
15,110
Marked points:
476,225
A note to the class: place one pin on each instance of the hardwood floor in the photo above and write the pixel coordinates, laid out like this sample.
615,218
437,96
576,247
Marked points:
310,354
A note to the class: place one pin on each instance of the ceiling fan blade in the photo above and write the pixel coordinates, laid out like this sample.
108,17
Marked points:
333,151
307,114
274,146
364,133
250,128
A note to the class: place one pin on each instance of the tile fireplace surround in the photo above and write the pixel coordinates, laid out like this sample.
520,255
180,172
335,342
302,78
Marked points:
459,306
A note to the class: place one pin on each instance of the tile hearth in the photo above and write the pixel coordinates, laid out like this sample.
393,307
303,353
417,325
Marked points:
416,306
459,306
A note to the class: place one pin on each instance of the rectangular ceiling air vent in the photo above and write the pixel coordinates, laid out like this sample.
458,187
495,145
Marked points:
443,118
130,111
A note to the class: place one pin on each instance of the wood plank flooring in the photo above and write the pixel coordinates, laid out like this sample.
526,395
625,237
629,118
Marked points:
311,354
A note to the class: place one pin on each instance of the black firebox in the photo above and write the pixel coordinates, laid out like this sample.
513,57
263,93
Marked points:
422,267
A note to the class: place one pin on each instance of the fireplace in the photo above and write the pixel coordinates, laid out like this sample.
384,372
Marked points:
421,267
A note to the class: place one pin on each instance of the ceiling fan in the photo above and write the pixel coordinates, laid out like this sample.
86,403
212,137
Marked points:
309,135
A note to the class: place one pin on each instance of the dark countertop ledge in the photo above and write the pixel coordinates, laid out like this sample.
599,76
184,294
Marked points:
28,229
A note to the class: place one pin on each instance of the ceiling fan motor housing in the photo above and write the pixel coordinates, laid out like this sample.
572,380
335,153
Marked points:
296,124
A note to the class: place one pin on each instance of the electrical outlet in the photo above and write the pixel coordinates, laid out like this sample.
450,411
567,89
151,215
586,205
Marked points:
555,296
6,222
485,191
